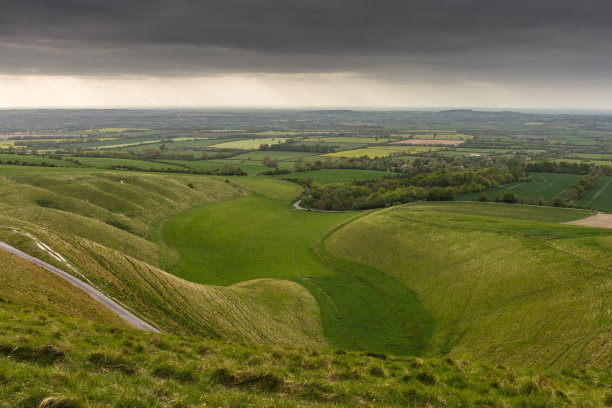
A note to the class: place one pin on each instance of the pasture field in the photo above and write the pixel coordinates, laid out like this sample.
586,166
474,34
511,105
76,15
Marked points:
490,283
249,144
337,175
599,196
382,151
546,185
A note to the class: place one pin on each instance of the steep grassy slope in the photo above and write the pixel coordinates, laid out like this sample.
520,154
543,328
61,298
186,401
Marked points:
48,359
499,288
30,286
103,227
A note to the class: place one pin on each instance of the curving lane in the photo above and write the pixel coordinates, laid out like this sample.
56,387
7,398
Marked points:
90,290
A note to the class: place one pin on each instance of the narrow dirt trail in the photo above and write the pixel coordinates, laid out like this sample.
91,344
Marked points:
90,290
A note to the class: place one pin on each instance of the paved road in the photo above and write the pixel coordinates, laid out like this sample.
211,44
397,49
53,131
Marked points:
90,290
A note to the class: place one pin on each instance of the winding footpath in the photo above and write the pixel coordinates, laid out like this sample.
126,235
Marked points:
90,290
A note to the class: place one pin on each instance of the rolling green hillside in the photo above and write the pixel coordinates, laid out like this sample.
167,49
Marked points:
501,283
104,228
262,236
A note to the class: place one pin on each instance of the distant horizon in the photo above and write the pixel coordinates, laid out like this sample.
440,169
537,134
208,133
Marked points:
552,111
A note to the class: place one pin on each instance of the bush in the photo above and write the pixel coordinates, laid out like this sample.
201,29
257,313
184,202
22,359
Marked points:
483,197
510,198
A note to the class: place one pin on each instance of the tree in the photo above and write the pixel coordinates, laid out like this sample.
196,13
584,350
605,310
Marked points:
268,162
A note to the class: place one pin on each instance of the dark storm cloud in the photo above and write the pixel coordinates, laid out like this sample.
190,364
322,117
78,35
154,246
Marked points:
188,37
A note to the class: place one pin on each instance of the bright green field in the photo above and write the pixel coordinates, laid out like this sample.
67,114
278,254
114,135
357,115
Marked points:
512,288
547,185
337,175
599,196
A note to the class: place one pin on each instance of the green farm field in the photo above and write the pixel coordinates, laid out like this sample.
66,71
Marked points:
599,196
546,185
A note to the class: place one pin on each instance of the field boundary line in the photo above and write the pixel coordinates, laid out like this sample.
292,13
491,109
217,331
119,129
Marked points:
598,193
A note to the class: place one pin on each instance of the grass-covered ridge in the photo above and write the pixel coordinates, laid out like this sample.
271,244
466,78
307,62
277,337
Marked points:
501,282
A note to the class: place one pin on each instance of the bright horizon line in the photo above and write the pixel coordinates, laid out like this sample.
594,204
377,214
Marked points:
361,108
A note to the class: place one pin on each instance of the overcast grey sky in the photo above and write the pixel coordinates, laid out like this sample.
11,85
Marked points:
477,53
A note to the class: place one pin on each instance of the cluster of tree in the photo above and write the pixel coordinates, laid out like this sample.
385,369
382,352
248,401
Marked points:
151,154
439,185
20,163
222,171
268,162
576,190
